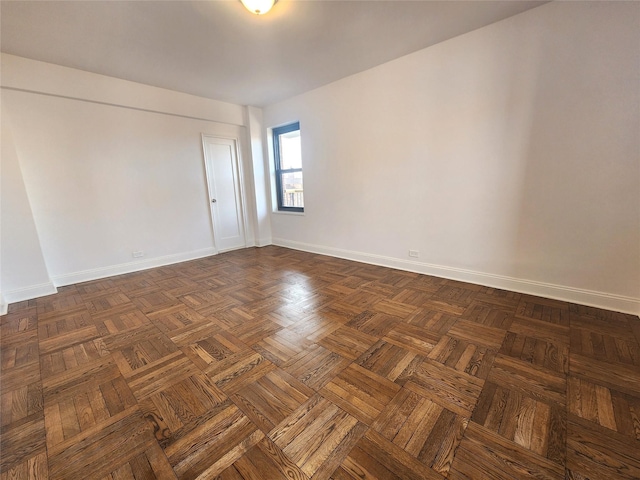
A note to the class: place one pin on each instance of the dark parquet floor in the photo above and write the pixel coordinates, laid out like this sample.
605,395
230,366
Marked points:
277,364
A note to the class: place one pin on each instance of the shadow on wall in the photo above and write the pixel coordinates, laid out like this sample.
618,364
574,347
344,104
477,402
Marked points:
578,214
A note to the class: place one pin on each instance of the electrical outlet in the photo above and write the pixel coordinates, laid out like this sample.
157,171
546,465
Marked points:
137,254
414,253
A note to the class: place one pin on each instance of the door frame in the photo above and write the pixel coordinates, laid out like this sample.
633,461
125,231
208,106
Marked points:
241,185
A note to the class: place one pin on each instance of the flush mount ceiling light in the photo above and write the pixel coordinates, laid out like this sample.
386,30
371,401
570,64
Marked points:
259,7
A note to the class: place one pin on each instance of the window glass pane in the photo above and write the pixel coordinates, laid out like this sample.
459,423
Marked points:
292,189
290,152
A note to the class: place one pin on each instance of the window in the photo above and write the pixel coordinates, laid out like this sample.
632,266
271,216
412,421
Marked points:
288,164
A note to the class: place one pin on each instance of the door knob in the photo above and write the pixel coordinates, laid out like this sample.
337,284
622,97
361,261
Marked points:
213,200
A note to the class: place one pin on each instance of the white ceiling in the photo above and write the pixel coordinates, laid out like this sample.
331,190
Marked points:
217,49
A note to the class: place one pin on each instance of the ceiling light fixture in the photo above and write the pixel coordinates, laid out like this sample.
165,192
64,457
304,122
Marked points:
259,7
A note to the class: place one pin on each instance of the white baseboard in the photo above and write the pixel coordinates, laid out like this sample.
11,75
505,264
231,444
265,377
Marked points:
3,305
27,293
591,298
263,242
97,273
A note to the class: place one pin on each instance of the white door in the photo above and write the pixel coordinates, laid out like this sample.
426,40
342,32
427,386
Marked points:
225,192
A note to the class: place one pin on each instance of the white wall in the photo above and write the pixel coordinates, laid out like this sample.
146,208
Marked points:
508,156
23,273
260,175
111,167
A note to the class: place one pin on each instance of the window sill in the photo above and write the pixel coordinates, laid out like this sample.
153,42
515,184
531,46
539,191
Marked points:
280,212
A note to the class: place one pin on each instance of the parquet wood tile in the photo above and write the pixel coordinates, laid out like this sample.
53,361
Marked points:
489,315
315,366
272,398
18,321
19,363
286,315
238,370
396,278
543,309
375,457
99,451
196,332
67,417
22,440
542,353
213,444
282,346
65,301
604,406
214,348
207,302
603,341
634,324
540,330
110,301
485,454
233,317
252,332
348,285
596,452
412,338
608,323
498,298
135,284
95,287
314,327
156,376
432,321
134,349
347,342
386,359
68,358
314,302
21,403
415,297
586,311
422,428
530,423
376,324
452,389
80,379
31,468
264,460
362,299
273,363
177,286
477,333
426,283
450,307
378,290
121,322
360,392
170,319
57,333
529,379
456,292
464,356
394,308
621,377
316,434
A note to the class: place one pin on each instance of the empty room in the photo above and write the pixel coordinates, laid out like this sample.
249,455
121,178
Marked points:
320,239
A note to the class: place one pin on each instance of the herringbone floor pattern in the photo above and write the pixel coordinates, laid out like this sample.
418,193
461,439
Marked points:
277,364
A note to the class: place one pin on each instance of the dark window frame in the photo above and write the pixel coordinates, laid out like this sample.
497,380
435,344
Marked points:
276,132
